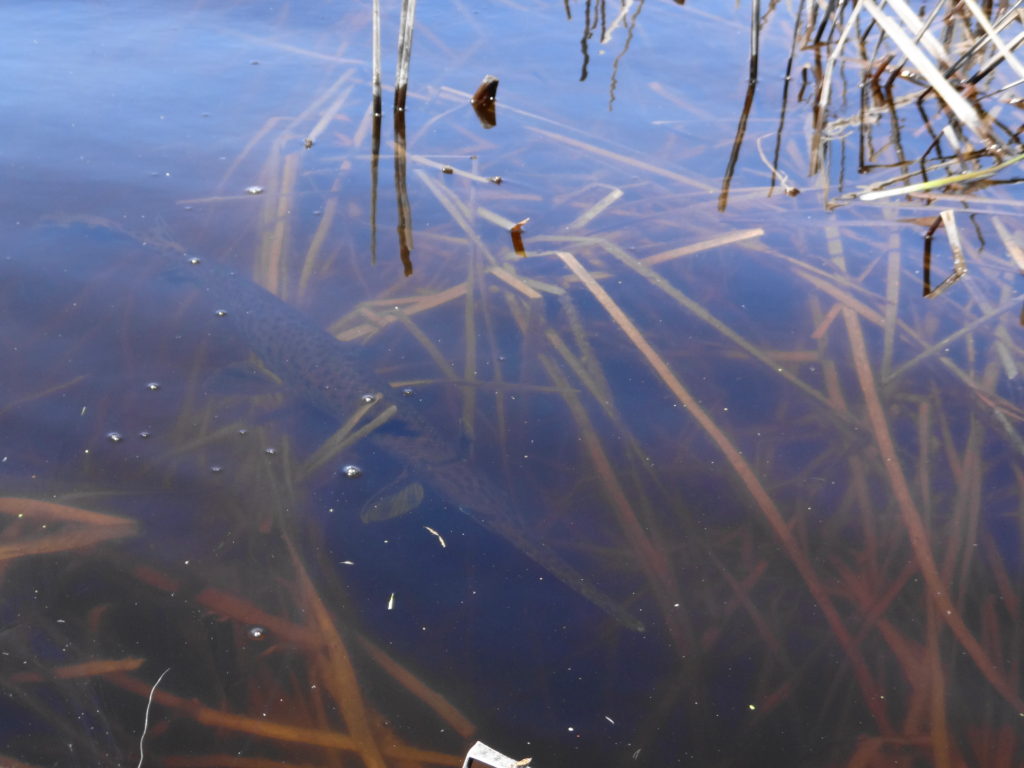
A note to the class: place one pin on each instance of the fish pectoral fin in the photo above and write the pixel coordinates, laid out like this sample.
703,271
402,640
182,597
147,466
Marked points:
398,498
244,378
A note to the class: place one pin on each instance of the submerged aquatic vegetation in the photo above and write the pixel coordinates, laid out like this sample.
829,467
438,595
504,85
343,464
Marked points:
933,88
807,476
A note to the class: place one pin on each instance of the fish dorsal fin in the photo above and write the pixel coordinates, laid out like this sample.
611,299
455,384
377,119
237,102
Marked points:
398,498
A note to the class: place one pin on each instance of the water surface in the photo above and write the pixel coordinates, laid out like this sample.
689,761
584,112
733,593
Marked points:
745,429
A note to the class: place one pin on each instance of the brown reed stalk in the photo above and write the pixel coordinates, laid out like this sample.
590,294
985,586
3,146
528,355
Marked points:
404,52
909,514
336,667
767,506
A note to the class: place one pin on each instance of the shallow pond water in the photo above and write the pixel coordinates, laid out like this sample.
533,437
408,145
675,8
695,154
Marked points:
689,472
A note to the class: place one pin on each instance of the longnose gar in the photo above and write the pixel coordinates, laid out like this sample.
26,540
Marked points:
330,375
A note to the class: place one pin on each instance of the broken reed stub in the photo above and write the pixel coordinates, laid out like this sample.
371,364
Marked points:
486,92
483,101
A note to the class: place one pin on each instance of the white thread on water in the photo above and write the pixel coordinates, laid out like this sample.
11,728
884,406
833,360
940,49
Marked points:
145,722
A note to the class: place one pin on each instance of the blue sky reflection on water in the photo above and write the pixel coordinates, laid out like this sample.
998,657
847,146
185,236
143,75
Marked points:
764,548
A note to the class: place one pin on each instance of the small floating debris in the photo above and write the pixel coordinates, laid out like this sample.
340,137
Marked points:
270,451
516,230
391,602
254,190
220,312
447,169
153,386
440,538
494,179
481,753
484,101
114,437
257,633
308,143
351,470
486,92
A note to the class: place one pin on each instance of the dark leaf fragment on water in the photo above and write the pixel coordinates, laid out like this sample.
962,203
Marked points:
516,230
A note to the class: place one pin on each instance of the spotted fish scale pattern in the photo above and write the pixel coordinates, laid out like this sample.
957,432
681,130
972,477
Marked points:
331,376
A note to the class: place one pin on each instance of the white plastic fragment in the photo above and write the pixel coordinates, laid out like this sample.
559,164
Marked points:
481,753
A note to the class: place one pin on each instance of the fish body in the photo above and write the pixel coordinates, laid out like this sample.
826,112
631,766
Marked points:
330,375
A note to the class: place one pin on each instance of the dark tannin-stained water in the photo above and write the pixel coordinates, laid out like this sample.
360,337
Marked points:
574,434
